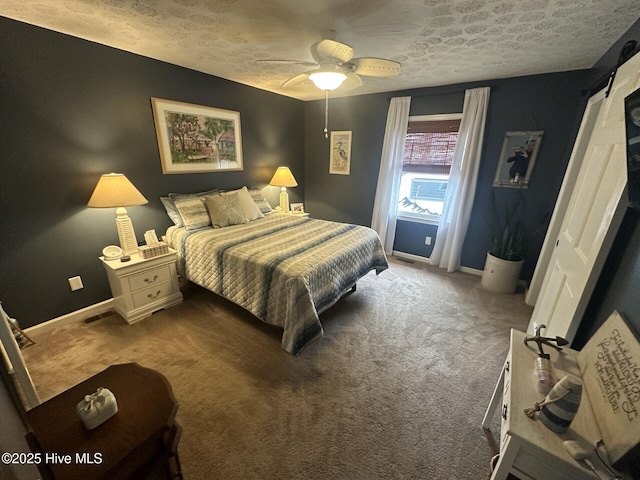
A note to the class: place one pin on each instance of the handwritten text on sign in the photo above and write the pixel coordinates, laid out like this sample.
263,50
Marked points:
619,375
609,364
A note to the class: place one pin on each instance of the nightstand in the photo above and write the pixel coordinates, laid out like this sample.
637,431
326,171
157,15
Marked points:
142,286
528,449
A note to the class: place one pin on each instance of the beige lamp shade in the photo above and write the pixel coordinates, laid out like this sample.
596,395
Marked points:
283,178
115,190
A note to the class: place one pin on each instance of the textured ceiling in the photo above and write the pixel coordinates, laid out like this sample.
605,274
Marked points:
438,42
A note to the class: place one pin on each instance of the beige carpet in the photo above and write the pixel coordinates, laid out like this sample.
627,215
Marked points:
396,388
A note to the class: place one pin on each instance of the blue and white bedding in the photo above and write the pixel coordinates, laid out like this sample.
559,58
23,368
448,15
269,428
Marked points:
284,269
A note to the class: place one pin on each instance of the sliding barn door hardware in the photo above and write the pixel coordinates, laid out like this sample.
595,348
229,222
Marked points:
625,54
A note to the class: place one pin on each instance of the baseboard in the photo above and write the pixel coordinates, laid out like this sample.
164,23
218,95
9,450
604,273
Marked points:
418,258
472,271
77,316
411,257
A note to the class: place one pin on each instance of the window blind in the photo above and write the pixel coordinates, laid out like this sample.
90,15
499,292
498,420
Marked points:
429,146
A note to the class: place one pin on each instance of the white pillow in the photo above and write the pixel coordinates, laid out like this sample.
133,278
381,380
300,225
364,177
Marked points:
249,208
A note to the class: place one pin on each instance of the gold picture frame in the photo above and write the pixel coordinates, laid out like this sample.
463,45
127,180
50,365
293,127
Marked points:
197,139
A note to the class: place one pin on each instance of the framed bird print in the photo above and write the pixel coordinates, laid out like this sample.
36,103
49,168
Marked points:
340,158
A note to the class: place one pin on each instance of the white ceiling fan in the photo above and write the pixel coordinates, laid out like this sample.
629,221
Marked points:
337,67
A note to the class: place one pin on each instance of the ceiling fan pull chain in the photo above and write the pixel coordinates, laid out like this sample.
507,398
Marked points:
326,113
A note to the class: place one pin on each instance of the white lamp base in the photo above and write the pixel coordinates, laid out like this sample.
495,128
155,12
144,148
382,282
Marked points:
127,236
284,200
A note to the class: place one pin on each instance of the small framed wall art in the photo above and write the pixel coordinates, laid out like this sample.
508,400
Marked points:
518,156
340,158
195,138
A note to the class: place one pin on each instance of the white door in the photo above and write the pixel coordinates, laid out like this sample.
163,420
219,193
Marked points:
593,216
564,197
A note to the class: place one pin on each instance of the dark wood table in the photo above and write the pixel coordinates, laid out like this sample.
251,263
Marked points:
135,442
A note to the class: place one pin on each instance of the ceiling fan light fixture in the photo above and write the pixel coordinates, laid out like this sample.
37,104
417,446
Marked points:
327,80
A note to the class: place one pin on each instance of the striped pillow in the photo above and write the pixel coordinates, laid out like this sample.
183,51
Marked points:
261,201
192,210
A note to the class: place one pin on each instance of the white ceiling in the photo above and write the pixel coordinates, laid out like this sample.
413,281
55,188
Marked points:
438,42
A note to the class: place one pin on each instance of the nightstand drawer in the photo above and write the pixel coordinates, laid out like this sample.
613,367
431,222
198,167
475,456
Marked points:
149,278
506,400
152,294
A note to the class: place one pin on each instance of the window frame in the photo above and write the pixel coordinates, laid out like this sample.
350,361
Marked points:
421,217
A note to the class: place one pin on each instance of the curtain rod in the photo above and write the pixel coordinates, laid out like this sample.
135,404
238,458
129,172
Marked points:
453,91
427,94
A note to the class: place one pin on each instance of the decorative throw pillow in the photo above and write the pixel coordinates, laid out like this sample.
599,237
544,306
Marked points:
224,210
249,208
260,201
192,211
195,213
172,211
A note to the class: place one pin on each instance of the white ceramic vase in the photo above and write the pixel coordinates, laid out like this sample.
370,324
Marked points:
501,275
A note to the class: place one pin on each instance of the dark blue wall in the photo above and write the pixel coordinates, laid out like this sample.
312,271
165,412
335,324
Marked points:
552,103
411,238
72,110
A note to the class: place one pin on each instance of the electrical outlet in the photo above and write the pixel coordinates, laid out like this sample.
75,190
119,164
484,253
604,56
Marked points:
75,283
427,241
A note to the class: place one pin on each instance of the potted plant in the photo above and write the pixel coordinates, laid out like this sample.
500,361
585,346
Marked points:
504,260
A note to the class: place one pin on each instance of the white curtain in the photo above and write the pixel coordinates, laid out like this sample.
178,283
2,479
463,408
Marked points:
385,207
462,181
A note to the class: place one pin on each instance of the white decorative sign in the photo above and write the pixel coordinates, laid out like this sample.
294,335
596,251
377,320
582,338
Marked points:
610,367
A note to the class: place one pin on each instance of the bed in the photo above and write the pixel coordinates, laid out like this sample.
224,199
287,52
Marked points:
285,269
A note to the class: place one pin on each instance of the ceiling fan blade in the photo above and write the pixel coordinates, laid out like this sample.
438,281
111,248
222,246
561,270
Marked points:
352,81
285,62
295,80
331,50
373,67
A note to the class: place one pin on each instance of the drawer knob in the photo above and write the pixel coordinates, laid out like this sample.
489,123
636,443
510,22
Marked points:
155,277
504,411
507,366
152,296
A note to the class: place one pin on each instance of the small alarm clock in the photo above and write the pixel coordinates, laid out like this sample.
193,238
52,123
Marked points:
112,252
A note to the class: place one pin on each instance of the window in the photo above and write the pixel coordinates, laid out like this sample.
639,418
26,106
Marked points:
428,153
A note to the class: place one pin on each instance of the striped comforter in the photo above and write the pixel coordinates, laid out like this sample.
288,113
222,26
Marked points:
284,269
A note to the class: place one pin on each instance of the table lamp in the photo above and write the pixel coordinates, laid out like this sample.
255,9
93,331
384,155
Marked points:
283,178
114,190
